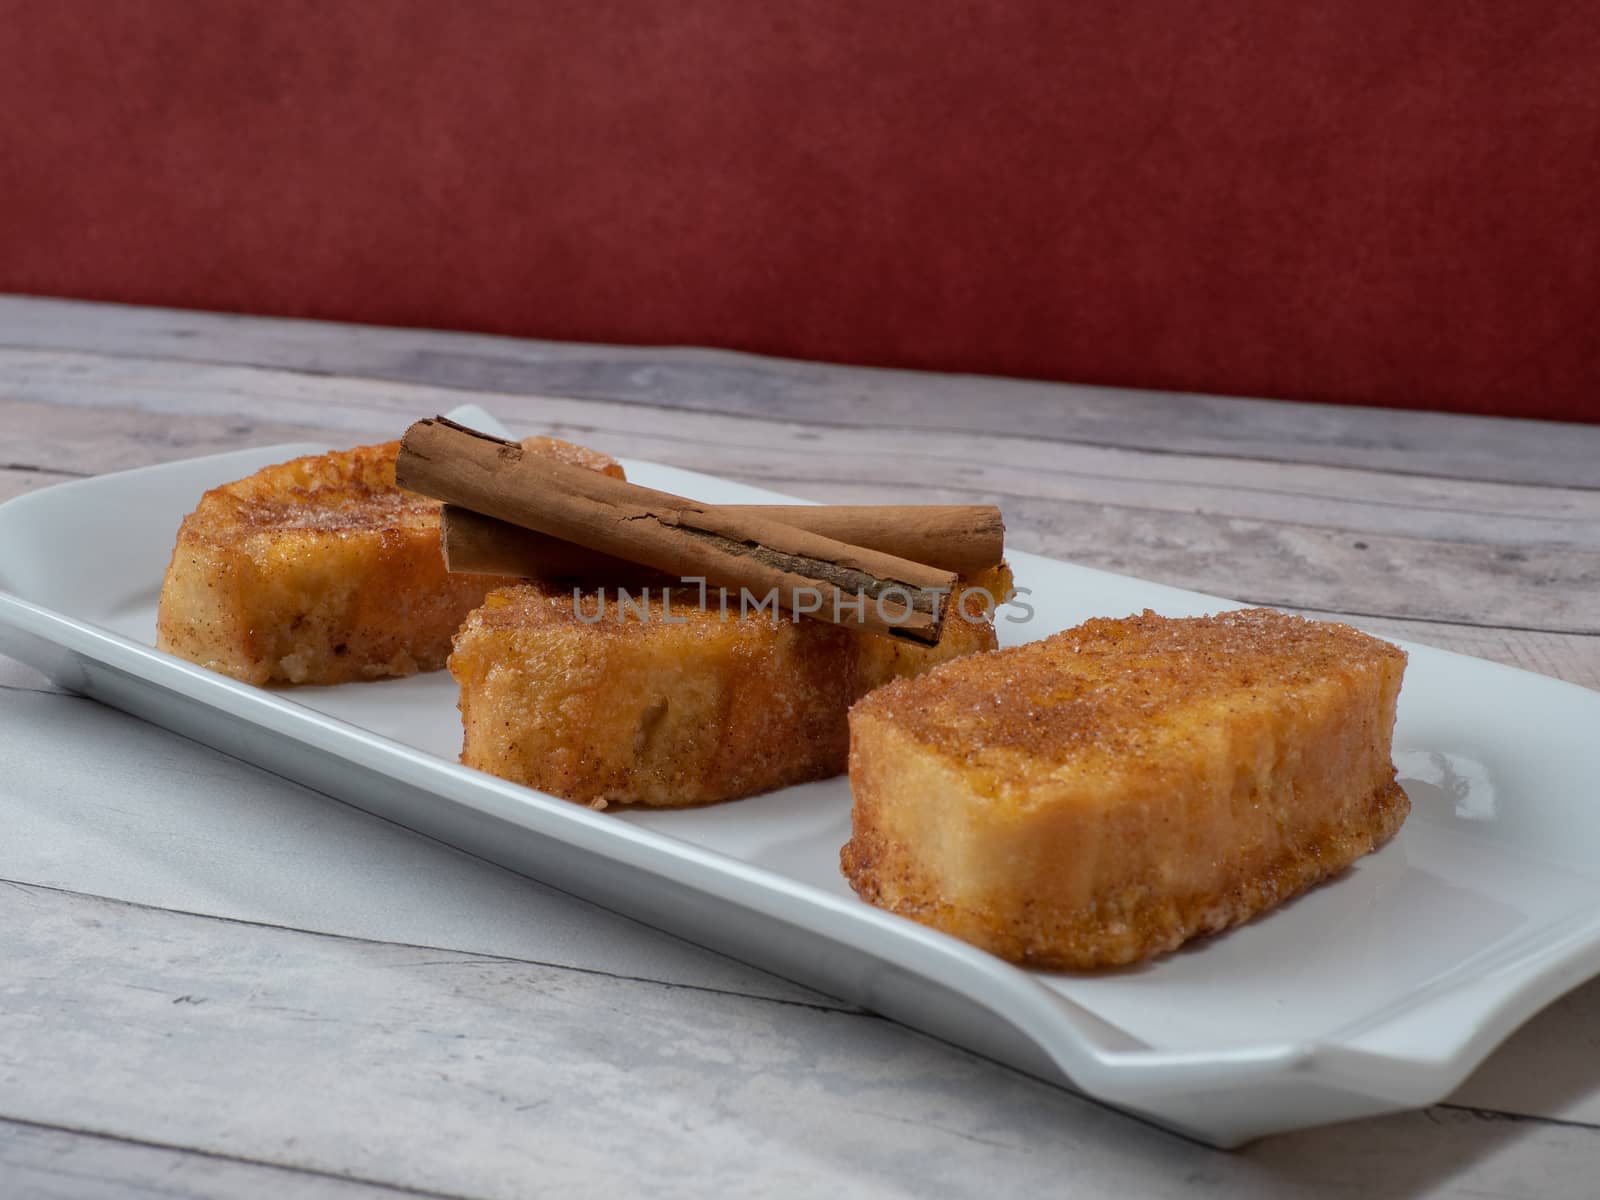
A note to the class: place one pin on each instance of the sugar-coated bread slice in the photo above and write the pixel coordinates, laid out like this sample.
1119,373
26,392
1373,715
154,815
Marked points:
321,570
1105,794
671,713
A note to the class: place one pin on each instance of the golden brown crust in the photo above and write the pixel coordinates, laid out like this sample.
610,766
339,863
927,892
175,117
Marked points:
319,571
573,455
695,711
1106,794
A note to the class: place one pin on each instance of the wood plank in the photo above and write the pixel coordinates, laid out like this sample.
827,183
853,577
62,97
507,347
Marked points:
1453,555
1548,1068
16,677
1316,512
136,812
96,439
829,461
747,385
1444,1151
1029,472
1504,585
1573,657
14,481
449,1072
77,441
46,1163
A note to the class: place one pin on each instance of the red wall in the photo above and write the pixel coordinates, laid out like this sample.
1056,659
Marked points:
1383,201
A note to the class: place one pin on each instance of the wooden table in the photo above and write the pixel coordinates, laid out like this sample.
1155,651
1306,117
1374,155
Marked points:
190,1014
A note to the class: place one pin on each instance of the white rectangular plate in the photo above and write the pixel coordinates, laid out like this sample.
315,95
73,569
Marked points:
1378,991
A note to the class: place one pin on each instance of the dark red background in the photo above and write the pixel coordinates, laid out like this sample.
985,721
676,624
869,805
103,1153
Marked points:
1385,201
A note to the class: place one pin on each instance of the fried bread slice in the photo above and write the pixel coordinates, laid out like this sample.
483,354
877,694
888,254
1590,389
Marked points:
675,712
320,571
1103,795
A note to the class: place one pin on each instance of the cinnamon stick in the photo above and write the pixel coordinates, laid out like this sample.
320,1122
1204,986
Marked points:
965,539
806,573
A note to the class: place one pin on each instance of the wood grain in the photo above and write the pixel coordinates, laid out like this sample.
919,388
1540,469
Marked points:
728,384
49,1163
787,451
14,481
15,677
1435,552
449,1073
97,801
93,440
404,1067
1573,657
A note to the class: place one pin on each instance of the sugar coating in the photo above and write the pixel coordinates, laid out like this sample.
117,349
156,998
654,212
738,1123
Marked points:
1107,793
321,570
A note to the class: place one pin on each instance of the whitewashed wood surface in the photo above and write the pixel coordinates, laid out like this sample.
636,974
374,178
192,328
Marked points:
186,1014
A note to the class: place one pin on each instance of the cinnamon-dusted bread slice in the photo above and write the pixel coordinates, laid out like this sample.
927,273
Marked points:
672,713
321,570
1105,794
